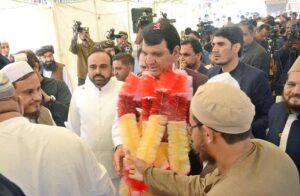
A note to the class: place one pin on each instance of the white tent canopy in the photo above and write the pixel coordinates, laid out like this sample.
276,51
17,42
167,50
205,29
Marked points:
29,26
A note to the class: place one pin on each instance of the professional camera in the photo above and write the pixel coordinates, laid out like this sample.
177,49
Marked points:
205,29
145,19
110,34
274,40
77,27
164,17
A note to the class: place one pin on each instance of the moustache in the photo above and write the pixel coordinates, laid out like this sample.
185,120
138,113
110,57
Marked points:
49,62
294,96
98,75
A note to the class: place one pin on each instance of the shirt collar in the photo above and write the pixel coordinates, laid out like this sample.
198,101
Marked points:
107,86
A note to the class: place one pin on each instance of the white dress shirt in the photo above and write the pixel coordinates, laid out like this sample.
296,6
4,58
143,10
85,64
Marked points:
286,131
91,115
48,160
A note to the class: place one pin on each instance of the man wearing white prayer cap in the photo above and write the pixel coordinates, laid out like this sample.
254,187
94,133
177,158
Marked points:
220,122
284,117
27,86
45,160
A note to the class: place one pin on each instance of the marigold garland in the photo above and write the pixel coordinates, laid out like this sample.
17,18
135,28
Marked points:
151,138
130,133
163,102
178,147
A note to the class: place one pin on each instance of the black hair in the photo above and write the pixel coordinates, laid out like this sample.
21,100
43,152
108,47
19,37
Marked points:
196,45
32,60
125,58
234,138
188,30
248,25
155,33
263,26
98,49
233,33
229,138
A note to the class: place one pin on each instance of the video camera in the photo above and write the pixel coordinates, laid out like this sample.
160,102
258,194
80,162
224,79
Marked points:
145,19
77,27
164,17
274,39
110,34
204,30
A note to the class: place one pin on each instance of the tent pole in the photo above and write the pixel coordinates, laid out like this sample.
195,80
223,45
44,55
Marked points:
54,18
128,20
97,18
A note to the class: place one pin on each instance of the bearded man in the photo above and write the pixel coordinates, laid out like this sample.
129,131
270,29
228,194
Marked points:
284,117
51,68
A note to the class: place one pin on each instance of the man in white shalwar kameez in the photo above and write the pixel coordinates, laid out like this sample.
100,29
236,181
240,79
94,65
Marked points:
93,108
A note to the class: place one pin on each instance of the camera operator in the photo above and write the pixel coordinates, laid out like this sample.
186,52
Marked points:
122,42
81,49
286,56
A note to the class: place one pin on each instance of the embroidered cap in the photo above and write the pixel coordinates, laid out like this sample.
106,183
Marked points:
223,107
6,88
17,70
44,49
224,78
296,66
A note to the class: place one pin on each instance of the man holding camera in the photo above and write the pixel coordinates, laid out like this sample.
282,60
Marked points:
286,56
122,42
81,49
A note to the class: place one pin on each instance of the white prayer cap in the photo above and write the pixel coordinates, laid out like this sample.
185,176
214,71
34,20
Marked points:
225,78
223,107
6,88
17,70
296,66
20,57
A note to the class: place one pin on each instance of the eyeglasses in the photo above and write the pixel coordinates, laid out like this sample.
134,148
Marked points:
190,128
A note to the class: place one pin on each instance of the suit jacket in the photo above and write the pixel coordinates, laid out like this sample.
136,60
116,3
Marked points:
254,83
3,61
198,78
257,56
278,116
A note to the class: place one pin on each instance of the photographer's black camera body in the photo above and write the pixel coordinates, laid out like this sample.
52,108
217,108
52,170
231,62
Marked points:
111,35
77,27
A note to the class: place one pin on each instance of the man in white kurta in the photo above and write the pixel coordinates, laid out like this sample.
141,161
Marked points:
45,160
93,108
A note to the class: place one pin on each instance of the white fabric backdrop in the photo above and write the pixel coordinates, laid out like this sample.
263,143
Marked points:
29,26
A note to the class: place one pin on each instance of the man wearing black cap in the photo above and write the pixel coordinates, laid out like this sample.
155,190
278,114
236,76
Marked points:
50,68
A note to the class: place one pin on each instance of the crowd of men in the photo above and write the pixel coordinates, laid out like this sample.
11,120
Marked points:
60,140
